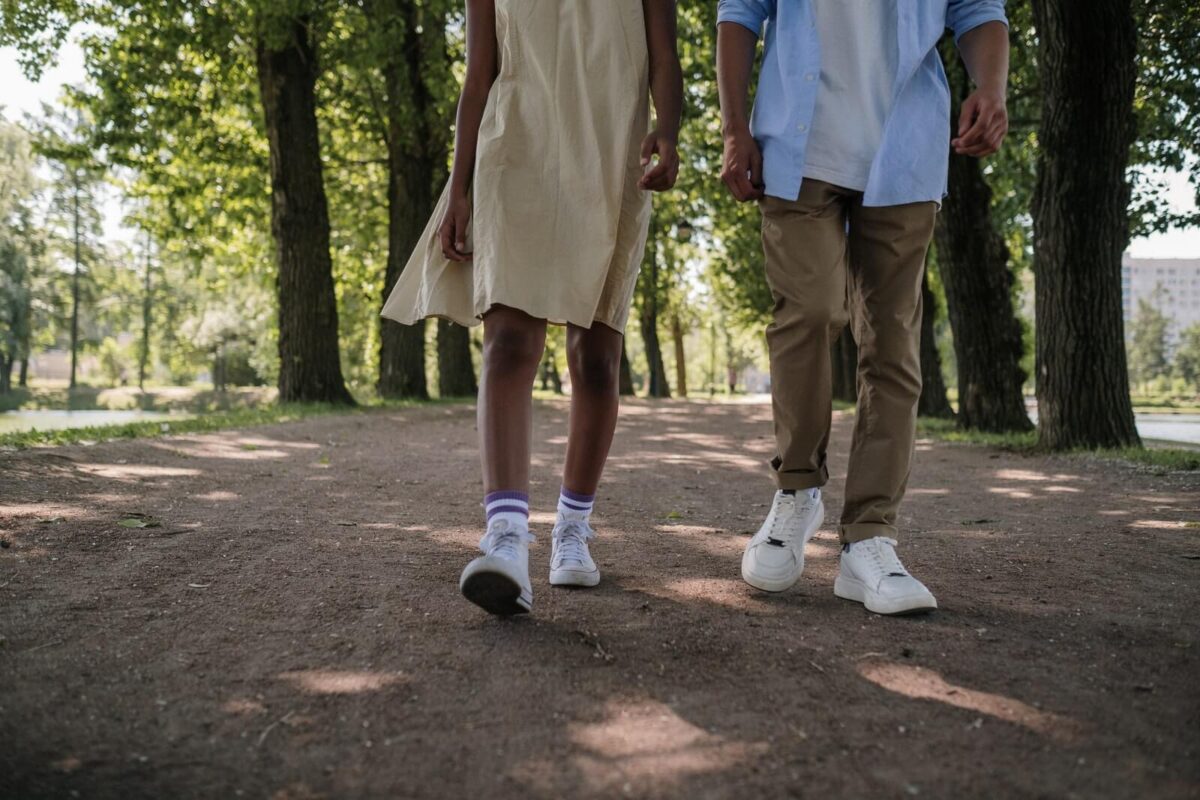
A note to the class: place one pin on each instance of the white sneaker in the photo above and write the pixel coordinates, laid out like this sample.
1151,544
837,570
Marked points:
871,573
498,581
570,562
774,558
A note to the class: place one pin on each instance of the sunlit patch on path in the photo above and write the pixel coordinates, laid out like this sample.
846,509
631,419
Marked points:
327,681
925,684
639,747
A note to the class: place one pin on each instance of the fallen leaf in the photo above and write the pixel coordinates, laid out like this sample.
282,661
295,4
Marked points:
199,585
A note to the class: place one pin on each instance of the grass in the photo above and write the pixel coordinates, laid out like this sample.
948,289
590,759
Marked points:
221,420
1165,404
1164,459
195,399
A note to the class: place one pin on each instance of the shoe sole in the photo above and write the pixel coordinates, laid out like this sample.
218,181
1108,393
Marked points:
782,586
570,577
494,590
851,589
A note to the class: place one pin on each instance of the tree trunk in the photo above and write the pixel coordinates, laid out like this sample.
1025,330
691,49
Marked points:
551,379
681,387
844,358
23,375
1087,65
309,361
657,377
456,373
626,375
75,292
6,368
144,352
933,402
973,265
416,156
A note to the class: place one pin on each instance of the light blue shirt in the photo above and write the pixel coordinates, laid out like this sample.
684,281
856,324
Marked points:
911,163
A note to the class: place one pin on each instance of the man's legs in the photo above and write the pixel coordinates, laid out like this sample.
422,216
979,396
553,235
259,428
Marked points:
805,246
887,259
806,259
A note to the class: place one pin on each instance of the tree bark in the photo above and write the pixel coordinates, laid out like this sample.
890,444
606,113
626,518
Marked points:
309,360
456,373
1087,64
551,379
625,380
23,374
75,290
844,362
933,401
144,352
681,387
657,377
973,265
416,156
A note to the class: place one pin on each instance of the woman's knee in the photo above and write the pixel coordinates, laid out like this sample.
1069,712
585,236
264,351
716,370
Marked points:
514,347
594,368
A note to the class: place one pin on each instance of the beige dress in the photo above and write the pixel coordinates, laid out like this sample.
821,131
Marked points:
558,223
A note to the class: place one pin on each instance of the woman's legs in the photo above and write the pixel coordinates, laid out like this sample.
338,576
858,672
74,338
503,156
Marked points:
594,358
512,350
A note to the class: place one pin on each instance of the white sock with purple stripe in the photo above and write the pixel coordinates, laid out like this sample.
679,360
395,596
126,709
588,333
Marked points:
574,504
512,507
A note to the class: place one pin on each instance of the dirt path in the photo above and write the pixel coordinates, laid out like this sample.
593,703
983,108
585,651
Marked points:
292,629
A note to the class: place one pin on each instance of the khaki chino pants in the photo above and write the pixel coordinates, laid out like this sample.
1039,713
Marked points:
831,260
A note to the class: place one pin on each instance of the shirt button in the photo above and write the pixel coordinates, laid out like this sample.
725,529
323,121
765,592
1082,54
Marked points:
808,76
802,127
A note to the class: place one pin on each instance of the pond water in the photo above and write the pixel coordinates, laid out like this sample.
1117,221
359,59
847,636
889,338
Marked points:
47,420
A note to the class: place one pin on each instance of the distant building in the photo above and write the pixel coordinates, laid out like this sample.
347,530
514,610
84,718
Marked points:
1170,284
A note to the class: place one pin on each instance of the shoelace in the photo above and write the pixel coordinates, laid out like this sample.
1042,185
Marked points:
504,540
781,533
884,559
571,536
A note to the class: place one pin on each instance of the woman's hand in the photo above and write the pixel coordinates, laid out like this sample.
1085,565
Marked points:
662,176
453,231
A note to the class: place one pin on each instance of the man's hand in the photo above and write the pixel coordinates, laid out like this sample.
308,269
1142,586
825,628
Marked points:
662,176
982,124
742,170
452,233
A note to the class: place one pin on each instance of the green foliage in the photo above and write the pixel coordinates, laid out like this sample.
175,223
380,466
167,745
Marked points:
171,109
1187,357
1168,107
1147,345
19,248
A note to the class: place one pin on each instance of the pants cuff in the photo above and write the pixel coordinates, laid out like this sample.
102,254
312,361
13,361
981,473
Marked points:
860,531
799,481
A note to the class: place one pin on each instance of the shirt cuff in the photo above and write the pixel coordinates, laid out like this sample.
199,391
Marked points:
972,21
748,20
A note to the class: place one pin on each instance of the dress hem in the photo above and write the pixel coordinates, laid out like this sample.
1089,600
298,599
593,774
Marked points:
477,320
